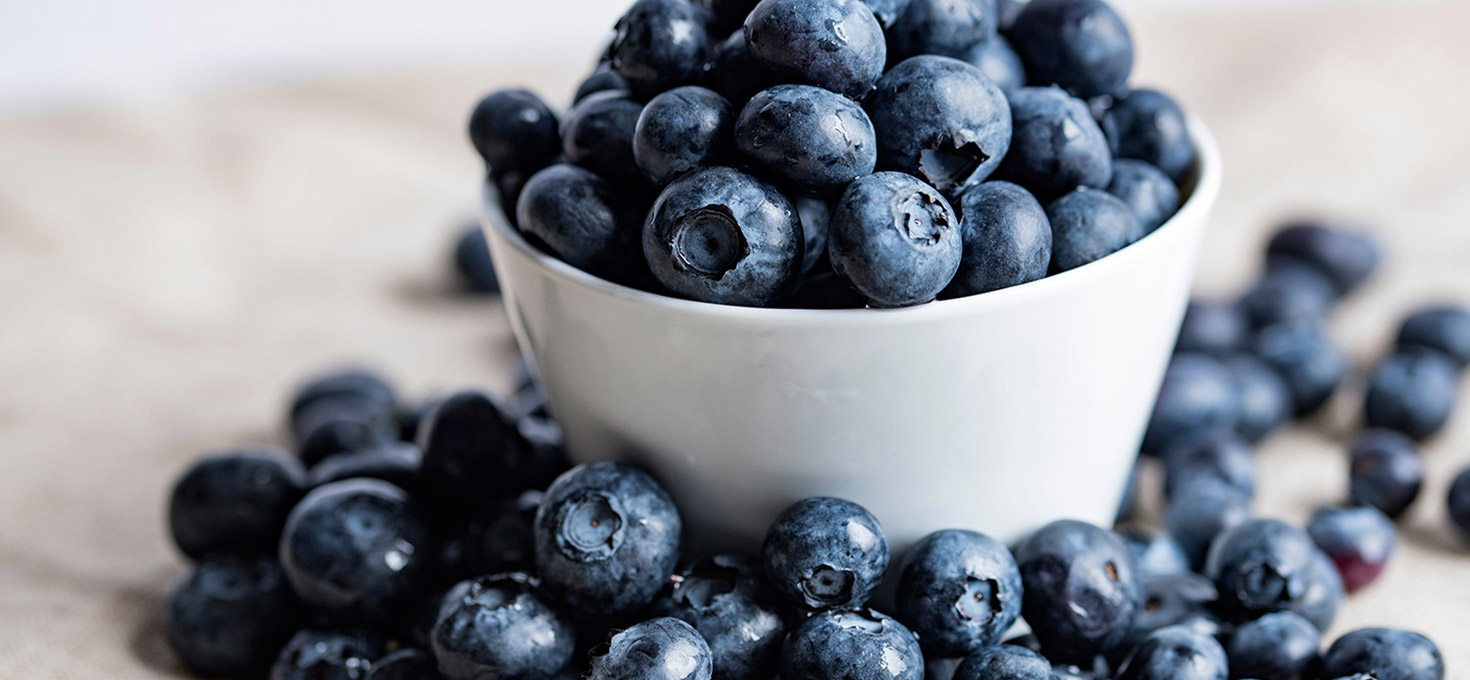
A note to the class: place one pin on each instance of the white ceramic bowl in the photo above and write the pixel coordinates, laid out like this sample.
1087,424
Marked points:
998,412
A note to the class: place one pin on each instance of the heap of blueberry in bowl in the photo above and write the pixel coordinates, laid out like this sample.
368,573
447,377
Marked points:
842,153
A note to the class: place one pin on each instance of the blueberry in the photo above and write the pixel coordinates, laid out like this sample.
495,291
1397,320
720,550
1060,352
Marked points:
1206,508
328,655
807,138
726,599
508,188
1212,328
1412,391
1081,45
1056,146
1288,291
343,383
815,215
895,239
825,552
887,11
1175,653
1265,399
1458,501
1149,192
339,424
514,131
833,44
734,73
1306,358
1345,257
469,445
660,44
1170,600
583,220
657,649
1149,126
1386,472
230,616
405,664
1220,454
1443,328
473,268
680,130
948,28
941,120
498,541
823,289
959,591
497,627
1087,225
999,63
1265,565
607,538
1004,662
1081,589
1385,654
235,501
720,235
397,463
1006,239
1197,397
1358,540
602,79
598,135
1279,646
355,548
856,644
1156,552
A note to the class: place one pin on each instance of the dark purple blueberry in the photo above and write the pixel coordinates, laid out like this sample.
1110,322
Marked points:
1212,328
681,130
1205,509
1081,589
406,664
1264,565
959,591
1157,553
807,138
514,131
851,644
1220,454
656,649
1412,391
1056,146
1288,291
833,44
895,239
1265,399
1197,397
1386,471
999,63
498,627
598,135
660,44
1345,257
726,599
602,79
1149,126
1306,358
734,73
230,616
1358,540
234,502
1081,45
1279,646
1087,225
469,446
823,553
1458,501
1442,328
815,215
1006,239
397,463
947,28
328,655
1175,653
473,269
1384,654
1004,662
1149,192
583,220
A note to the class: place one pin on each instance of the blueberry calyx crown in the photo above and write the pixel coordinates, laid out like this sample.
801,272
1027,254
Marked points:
591,527
919,219
709,242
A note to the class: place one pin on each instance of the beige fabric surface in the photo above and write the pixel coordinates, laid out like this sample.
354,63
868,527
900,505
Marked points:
168,269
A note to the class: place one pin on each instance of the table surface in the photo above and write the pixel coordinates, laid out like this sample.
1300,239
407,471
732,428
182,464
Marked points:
170,268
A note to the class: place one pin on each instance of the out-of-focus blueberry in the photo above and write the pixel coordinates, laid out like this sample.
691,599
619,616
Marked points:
397,463
328,655
583,220
726,14
1413,391
405,664
948,28
1081,45
895,239
833,44
1442,328
1345,257
230,616
807,138
1197,397
1150,126
1176,653
657,649
1220,454
1288,291
1212,328
1006,239
858,644
1080,589
234,502
1205,508
1385,471
1007,11
1279,646
469,446
959,591
1149,192
497,627
726,599
734,73
660,44
815,215
602,79
473,268
1183,599
825,552
1358,540
681,130
1056,145
1266,565
1306,358
1265,399
1384,654
1004,662
514,131
1087,225
1458,501
598,135
344,423
499,541
1157,553
999,63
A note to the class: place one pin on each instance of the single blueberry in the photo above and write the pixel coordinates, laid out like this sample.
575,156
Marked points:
1442,328
681,130
1384,654
948,28
1176,653
999,63
1458,501
657,649
1385,471
602,79
405,664
583,220
340,424
514,131
1206,508
607,538
1056,145
1004,662
1080,588
1157,553
359,384
1197,397
734,73
1220,454
660,44
941,120
1289,290
807,138
473,268
497,627
1358,540
469,446
1306,358
1149,126
833,44
1006,239
1087,225
397,463
1412,391
1265,565
720,235
895,239
1345,257
328,655
825,552
1081,45
816,215
1170,600
1279,646
959,591
726,599
598,135
1149,192
1212,327
851,644
235,501
1265,399
230,616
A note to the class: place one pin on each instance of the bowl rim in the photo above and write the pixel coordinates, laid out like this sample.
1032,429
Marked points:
1199,201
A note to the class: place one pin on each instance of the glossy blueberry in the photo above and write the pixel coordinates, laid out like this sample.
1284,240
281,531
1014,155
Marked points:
859,644
825,552
734,73
1219,454
1412,391
497,627
657,649
1288,291
1206,508
1176,653
999,63
397,463
1004,662
680,130
1358,540
807,138
405,664
1056,145
230,616
815,215
582,219
1149,126
1081,45
598,135
602,79
833,44
948,28
1442,328
1386,471
235,501
514,131
328,655
720,235
959,591
1006,239
1345,257
1087,225
473,269
1384,654
1279,646
941,120
1156,552
1307,360
1212,328
469,445
1147,190
726,599
1081,589
1266,565
1458,501
894,239
1265,399
1197,397
660,44
607,538
823,289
